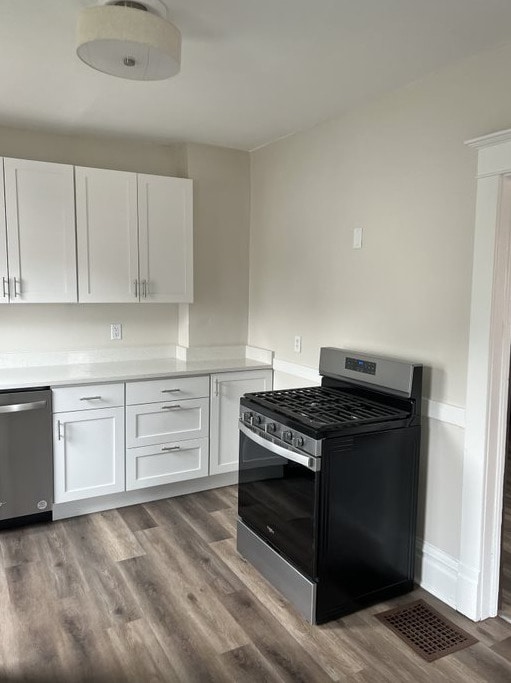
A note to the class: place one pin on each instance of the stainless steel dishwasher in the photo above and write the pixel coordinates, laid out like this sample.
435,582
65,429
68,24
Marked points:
26,462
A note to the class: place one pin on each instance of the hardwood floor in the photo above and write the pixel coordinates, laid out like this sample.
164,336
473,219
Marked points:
157,592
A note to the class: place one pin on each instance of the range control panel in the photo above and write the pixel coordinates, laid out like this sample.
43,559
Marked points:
358,365
279,433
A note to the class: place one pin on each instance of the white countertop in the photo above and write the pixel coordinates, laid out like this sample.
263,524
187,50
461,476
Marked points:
118,371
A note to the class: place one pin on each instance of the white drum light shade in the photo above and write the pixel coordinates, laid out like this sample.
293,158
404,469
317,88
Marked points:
128,43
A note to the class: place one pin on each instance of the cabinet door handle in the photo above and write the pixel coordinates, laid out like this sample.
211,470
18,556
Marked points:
59,433
174,407
17,286
90,398
217,390
5,287
169,391
171,448
135,284
144,289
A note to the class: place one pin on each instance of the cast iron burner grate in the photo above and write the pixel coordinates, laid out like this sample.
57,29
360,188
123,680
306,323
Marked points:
425,630
323,407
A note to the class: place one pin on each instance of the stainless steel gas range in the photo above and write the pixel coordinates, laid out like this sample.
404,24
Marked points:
328,484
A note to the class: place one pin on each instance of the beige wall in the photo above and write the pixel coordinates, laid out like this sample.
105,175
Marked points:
399,169
219,314
73,327
101,152
78,326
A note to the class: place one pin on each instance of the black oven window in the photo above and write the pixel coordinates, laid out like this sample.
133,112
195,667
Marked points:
277,500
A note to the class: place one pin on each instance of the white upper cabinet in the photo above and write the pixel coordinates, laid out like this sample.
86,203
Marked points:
165,238
4,273
134,237
40,228
107,235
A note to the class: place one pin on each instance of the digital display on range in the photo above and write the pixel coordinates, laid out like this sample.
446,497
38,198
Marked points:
358,365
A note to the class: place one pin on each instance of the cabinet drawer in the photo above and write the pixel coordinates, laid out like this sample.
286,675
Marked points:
175,388
86,397
166,463
158,423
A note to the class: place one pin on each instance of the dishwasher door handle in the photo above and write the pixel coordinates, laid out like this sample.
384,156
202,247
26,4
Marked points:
22,407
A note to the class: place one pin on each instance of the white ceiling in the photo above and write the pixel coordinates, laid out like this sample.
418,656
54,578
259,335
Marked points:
252,70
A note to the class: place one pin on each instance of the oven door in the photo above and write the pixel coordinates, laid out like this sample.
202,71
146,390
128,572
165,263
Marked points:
278,497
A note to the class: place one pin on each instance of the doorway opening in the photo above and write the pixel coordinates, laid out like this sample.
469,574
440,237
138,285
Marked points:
505,553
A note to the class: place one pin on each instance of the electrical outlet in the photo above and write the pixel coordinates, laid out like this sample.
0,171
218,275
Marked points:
116,331
298,344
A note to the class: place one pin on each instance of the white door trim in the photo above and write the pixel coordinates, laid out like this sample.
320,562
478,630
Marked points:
487,382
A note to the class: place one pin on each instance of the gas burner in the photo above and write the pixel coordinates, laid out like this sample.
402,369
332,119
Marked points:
324,408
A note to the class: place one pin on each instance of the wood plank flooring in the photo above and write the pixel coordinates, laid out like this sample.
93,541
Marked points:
157,592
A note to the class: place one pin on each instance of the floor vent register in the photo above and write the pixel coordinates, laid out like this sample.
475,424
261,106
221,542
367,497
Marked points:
425,630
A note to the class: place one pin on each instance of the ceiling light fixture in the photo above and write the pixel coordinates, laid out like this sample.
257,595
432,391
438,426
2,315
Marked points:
129,40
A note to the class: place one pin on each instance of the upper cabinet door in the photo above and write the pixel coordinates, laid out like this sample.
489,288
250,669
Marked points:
165,207
4,274
40,212
107,234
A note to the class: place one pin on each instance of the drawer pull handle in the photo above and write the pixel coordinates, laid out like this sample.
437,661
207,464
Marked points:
175,407
90,398
170,391
171,448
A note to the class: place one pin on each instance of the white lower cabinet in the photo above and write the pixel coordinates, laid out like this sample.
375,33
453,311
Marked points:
167,441
226,390
156,423
88,447
166,463
110,438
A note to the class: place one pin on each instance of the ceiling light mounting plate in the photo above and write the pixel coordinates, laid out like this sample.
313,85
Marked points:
131,4
154,6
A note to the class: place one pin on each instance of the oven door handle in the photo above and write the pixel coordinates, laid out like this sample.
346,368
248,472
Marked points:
307,461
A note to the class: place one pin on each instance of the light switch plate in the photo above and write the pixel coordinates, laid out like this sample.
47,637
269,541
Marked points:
357,238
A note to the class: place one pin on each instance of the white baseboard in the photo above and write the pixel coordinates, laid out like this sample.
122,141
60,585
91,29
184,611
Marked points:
437,572
467,601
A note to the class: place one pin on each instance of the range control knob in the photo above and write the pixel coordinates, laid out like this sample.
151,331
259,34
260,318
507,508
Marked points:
271,427
256,420
299,441
288,436
247,417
